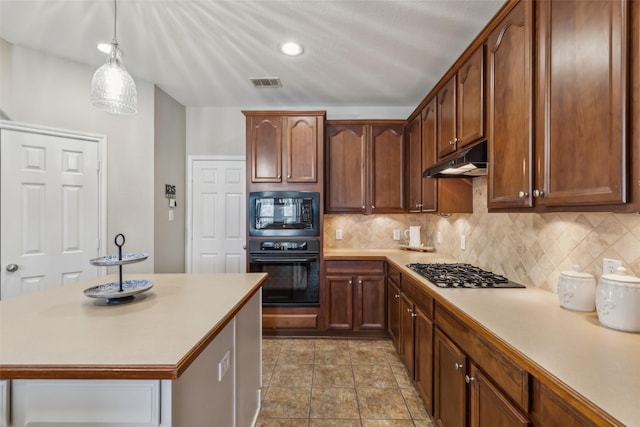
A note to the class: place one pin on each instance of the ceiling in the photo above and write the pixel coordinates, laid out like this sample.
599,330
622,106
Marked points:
202,52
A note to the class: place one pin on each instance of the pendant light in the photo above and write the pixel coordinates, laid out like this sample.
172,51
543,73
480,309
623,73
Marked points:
112,88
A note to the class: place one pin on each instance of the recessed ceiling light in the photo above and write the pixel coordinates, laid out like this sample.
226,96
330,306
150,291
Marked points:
104,48
291,48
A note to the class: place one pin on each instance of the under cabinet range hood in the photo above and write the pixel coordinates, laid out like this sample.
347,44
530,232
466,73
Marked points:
469,162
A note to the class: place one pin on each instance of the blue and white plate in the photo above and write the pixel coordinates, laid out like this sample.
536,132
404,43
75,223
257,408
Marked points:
112,290
114,260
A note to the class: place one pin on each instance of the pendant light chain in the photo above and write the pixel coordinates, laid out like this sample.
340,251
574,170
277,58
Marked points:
115,21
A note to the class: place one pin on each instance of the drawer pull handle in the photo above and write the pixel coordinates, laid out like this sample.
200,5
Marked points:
458,366
469,379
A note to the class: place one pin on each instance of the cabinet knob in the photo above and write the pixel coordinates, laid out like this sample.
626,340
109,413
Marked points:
469,379
414,315
451,142
538,193
350,282
396,295
409,310
523,194
458,366
363,207
373,207
360,281
288,176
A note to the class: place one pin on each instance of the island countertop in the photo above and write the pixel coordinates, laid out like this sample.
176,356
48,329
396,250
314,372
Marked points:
60,333
552,343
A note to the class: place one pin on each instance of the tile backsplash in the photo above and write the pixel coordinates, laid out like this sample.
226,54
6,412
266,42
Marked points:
528,248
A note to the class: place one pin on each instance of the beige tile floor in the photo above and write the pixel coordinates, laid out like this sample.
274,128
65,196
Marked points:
331,382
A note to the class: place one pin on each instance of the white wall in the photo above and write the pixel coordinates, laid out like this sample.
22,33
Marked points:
221,130
40,89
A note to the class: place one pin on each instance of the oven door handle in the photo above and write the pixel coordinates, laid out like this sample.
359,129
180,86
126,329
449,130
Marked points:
284,260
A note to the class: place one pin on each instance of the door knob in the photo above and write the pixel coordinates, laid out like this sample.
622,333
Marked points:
12,268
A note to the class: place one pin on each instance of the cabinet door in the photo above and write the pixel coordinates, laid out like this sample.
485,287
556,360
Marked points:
449,386
581,126
447,119
470,91
553,411
302,149
407,333
414,166
423,374
265,141
510,139
339,311
345,174
393,311
429,156
488,406
387,169
370,302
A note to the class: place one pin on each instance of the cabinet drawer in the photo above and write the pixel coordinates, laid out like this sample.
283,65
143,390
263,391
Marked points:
505,373
290,321
393,274
86,402
419,297
354,267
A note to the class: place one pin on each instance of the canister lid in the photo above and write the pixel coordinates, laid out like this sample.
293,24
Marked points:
576,273
621,277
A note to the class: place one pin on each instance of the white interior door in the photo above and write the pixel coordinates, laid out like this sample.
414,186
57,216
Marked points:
50,212
216,215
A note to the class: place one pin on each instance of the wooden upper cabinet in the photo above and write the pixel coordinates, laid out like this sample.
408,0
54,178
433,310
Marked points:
265,143
285,148
302,149
581,135
510,137
470,103
364,167
345,189
460,109
446,113
414,165
387,169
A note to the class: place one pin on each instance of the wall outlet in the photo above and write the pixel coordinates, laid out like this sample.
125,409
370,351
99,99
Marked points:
609,265
338,234
463,242
439,237
396,234
223,366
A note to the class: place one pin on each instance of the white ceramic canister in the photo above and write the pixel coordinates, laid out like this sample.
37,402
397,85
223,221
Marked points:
618,301
577,290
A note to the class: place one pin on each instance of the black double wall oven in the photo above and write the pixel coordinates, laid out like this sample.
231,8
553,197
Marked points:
284,230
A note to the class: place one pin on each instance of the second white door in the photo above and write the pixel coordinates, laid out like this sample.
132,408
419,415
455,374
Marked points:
217,216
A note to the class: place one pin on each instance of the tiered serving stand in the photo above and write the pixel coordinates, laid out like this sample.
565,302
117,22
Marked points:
124,290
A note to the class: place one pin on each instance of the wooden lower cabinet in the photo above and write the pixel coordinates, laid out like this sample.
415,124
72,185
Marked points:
450,391
488,407
550,410
393,309
410,325
355,295
423,359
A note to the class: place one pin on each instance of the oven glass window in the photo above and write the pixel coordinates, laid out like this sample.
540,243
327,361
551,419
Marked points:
289,283
279,213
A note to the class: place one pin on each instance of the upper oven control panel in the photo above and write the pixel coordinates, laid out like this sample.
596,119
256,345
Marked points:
283,246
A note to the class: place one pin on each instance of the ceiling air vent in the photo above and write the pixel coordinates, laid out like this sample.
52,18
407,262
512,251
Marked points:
261,82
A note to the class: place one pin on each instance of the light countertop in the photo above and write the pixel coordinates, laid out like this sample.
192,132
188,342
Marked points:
601,364
61,333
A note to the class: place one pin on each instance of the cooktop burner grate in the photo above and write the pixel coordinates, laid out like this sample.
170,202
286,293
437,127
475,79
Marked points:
461,276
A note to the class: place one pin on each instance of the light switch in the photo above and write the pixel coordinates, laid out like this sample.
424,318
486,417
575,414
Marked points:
223,366
170,214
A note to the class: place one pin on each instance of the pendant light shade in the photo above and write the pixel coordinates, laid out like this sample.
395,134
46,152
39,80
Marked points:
112,88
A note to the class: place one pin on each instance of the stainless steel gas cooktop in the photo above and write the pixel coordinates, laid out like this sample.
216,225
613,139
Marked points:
461,276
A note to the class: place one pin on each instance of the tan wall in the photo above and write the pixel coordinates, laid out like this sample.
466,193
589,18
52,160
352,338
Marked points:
528,248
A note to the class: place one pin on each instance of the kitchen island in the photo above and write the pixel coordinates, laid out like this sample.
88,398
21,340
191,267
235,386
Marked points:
186,352
595,368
